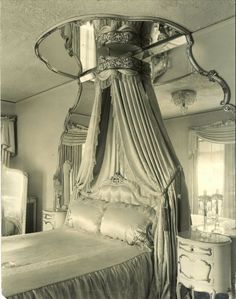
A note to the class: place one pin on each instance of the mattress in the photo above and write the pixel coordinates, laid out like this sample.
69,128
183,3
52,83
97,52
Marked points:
68,263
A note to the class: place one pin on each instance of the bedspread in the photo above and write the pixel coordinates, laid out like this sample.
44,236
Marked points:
72,264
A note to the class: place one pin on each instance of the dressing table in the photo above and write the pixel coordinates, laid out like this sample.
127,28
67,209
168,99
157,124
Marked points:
204,263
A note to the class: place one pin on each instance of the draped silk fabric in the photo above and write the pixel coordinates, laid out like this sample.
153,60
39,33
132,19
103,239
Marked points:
219,132
133,142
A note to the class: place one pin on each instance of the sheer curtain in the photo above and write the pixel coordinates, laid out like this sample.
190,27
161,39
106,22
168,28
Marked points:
222,133
8,146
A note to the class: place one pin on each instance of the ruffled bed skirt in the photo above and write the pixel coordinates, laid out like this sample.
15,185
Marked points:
133,279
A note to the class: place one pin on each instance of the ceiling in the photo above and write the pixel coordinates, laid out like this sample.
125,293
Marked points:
23,75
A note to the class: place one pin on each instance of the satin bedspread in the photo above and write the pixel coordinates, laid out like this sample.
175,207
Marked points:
71,264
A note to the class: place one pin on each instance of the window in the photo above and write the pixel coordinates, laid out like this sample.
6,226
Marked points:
215,172
210,177
212,155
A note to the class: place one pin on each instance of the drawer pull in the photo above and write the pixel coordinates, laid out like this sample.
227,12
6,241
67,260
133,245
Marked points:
195,249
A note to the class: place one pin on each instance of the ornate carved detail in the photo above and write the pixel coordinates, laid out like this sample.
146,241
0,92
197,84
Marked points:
212,75
230,108
122,62
167,31
118,37
196,250
208,268
117,178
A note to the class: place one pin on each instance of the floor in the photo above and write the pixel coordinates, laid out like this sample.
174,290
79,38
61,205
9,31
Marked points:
186,294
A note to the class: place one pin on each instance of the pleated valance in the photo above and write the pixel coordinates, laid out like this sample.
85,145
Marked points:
76,137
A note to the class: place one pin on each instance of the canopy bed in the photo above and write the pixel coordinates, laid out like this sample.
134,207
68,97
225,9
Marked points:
129,196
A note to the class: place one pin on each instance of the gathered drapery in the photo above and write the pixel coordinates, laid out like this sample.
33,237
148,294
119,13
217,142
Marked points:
70,154
71,149
137,146
126,134
8,146
219,132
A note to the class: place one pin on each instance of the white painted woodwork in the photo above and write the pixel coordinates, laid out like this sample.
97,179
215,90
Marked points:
53,219
204,263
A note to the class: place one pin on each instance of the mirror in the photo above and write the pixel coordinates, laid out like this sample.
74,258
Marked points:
80,48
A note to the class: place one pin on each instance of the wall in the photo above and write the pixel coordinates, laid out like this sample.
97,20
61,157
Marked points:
40,123
214,49
8,108
178,130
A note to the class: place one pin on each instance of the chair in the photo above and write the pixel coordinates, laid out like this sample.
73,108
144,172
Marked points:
14,201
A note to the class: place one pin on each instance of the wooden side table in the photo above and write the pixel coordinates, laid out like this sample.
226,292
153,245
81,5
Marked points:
204,263
53,219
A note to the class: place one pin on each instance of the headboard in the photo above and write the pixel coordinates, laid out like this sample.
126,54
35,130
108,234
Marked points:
116,209
120,189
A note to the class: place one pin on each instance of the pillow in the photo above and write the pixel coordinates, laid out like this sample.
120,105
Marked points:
127,222
86,214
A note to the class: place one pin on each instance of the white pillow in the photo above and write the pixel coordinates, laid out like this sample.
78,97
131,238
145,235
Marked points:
87,214
127,222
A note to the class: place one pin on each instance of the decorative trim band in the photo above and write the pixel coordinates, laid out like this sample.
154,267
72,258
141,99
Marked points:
212,76
122,62
119,37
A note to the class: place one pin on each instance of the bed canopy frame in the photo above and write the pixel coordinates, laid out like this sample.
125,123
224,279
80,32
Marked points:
126,141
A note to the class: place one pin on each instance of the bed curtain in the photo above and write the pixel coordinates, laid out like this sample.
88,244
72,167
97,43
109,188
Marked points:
126,135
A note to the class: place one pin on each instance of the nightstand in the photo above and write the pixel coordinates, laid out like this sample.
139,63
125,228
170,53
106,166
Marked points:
53,219
204,263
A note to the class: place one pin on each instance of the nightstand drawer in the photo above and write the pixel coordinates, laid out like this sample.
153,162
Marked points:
191,248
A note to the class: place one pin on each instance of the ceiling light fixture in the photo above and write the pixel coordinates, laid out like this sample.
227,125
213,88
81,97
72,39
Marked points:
183,98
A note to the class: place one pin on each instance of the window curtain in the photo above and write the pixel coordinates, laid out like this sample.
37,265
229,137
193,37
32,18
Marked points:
222,132
8,146
71,149
70,154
